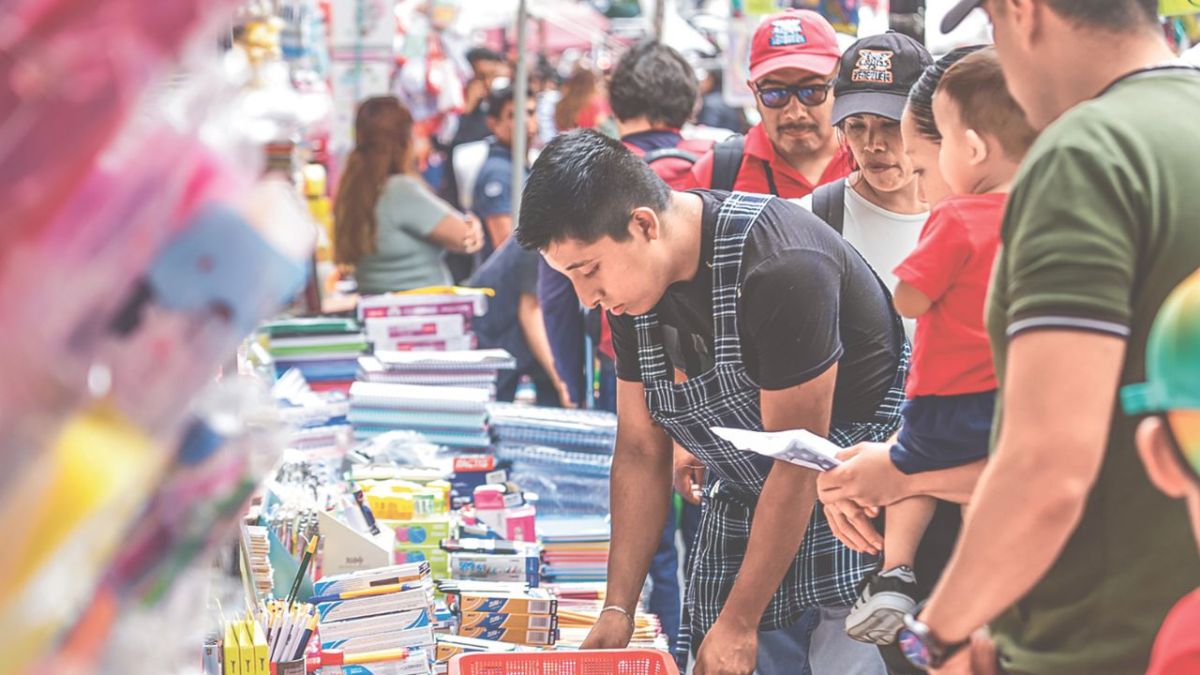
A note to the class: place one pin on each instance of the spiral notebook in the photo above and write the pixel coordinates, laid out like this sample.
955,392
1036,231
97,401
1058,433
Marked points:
402,419
473,360
418,397
556,459
447,438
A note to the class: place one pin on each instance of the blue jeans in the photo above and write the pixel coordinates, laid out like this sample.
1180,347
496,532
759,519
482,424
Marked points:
817,644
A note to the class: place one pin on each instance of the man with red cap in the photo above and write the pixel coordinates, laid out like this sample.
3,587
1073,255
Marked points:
793,63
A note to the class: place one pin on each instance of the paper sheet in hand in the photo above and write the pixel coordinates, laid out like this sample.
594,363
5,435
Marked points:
799,447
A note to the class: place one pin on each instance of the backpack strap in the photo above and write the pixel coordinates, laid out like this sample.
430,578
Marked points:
727,162
829,204
669,153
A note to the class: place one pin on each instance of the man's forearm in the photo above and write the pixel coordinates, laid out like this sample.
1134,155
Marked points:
1003,551
640,500
780,522
952,485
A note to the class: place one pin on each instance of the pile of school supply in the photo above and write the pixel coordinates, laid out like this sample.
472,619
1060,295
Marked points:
562,456
502,507
451,416
566,483
245,649
576,618
389,608
593,431
325,350
419,515
574,549
317,422
472,471
493,560
436,333
462,368
504,613
289,629
406,661
427,319
257,542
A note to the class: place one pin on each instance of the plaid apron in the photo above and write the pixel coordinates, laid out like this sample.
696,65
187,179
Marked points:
825,573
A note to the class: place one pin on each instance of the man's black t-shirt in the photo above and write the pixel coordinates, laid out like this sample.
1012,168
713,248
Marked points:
808,300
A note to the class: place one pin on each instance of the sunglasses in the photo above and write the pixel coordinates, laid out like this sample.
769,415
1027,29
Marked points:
809,95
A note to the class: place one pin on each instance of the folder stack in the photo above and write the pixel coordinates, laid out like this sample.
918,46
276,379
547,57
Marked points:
424,320
574,549
501,613
388,608
460,368
325,350
451,416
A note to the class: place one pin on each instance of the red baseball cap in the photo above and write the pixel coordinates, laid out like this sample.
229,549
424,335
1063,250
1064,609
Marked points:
797,38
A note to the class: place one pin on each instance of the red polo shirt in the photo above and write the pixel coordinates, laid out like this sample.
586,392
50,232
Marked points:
753,177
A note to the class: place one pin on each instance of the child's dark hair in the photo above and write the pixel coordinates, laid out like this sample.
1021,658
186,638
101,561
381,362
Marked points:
976,85
920,98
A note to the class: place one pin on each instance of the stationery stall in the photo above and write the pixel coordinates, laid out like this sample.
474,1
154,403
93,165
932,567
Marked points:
412,519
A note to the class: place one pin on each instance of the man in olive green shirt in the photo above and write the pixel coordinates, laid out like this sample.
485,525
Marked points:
1067,549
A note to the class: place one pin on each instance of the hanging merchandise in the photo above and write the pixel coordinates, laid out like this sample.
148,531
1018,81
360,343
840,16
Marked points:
62,100
843,14
1178,7
162,252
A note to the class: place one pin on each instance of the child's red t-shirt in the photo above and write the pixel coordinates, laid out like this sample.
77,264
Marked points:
1177,649
952,265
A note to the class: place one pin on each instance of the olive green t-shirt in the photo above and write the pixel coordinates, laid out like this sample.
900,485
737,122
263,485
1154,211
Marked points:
1104,220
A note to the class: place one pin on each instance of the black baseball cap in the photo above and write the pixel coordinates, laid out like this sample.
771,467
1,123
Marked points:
957,13
876,74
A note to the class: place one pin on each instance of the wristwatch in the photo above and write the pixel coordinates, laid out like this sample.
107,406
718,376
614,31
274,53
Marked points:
922,648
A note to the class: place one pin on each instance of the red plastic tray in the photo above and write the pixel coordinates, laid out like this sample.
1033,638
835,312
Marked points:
597,662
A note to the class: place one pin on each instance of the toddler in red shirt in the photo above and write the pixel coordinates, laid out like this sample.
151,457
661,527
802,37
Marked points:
943,285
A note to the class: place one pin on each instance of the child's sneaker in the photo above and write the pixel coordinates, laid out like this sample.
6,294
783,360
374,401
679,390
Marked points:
883,601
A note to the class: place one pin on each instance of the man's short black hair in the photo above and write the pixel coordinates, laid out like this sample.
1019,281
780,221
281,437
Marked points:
483,54
1113,15
653,81
584,186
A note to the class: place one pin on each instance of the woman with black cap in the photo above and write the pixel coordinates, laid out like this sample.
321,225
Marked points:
877,208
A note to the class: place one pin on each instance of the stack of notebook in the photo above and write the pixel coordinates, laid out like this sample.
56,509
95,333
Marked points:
591,431
563,456
317,422
576,617
503,612
324,350
451,416
470,368
574,549
384,609
437,319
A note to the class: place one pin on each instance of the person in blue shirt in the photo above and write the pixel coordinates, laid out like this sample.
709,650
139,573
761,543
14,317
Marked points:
493,188
514,322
